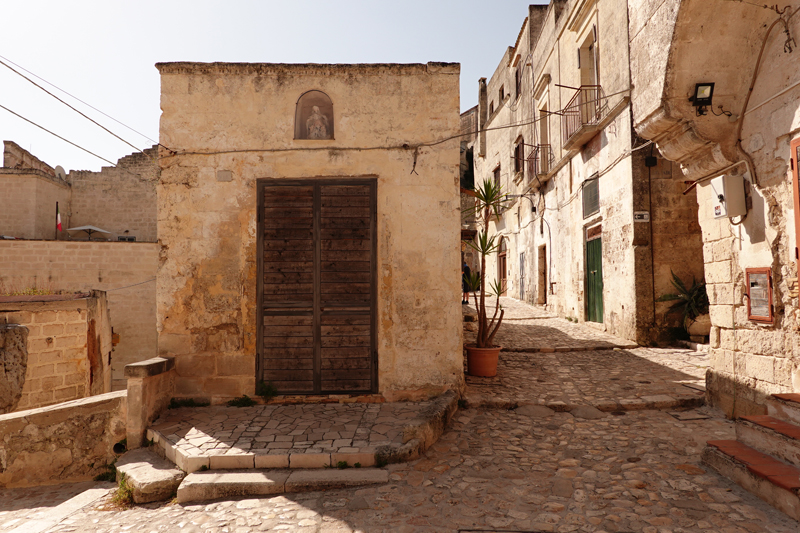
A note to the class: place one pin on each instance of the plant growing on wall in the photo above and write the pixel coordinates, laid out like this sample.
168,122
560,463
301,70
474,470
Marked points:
690,302
489,203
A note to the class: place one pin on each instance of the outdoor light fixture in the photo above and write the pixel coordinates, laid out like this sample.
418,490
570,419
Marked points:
701,99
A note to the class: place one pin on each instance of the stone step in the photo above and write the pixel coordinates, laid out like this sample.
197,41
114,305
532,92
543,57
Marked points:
785,407
771,480
152,477
217,484
770,435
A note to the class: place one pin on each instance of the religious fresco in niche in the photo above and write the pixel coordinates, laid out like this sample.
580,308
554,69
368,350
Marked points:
313,117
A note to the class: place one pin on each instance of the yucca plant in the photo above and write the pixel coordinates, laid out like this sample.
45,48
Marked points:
489,203
690,302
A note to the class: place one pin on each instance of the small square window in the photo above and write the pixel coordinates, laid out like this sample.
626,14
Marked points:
591,197
491,108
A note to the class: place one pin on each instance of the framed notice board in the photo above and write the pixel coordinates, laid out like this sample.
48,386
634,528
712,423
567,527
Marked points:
759,294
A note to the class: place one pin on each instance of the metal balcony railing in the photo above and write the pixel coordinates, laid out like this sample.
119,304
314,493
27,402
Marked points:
587,108
540,161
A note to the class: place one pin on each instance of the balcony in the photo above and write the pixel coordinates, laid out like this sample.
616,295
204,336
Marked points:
539,161
582,116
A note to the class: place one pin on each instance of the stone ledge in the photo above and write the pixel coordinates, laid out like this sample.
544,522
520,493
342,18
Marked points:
150,367
214,485
151,477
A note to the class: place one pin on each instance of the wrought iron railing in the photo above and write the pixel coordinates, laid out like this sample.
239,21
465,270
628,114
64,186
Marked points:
587,107
540,161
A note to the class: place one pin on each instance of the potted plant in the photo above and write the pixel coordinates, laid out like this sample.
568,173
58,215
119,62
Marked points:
692,303
483,355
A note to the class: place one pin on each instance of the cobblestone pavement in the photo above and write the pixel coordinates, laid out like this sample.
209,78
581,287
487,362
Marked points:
288,429
502,470
607,379
523,469
529,328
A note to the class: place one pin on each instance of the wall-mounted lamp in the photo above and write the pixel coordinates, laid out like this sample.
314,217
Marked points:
701,99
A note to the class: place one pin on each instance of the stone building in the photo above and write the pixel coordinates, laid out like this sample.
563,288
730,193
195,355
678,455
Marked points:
120,200
595,220
309,229
742,143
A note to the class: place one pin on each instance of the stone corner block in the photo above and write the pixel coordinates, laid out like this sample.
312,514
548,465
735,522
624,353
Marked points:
232,461
151,477
263,460
150,367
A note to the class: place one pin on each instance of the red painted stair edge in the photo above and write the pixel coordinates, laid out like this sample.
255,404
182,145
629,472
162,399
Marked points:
760,464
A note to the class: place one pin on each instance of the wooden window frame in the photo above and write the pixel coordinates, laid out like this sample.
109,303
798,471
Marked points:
793,161
760,318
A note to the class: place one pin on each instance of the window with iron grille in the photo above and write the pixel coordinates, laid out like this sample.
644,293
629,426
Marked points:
591,196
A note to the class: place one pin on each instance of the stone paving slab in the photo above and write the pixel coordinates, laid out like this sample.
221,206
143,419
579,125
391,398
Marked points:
549,363
300,436
501,470
37,509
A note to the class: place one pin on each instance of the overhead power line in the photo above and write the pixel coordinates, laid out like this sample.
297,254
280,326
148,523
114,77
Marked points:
69,106
79,100
59,136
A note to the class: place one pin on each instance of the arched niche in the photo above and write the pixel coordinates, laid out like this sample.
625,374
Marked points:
313,116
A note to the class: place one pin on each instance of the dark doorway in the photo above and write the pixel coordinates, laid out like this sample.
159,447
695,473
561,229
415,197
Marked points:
594,274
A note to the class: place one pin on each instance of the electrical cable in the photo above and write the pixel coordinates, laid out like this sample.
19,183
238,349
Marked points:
69,106
81,101
57,135
129,286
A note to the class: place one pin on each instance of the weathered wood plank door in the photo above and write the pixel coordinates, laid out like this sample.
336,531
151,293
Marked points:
317,285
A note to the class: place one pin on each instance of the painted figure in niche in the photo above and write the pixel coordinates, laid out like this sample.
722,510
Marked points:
317,125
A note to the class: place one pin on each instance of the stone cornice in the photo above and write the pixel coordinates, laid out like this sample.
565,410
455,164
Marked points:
318,69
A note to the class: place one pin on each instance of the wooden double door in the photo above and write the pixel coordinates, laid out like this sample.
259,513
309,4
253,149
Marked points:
317,285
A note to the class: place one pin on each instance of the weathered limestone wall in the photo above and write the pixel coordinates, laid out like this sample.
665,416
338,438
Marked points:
28,204
119,199
63,443
13,364
750,359
546,230
207,286
16,157
68,345
82,266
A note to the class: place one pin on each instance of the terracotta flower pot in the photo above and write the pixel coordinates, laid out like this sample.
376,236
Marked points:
482,362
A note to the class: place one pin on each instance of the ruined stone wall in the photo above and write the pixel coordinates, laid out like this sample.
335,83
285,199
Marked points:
119,199
82,266
16,157
67,442
207,286
68,345
28,204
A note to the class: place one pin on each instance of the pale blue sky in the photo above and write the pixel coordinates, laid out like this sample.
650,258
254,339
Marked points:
103,52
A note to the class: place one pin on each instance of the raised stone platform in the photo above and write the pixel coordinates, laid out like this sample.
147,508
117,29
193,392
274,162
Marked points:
300,436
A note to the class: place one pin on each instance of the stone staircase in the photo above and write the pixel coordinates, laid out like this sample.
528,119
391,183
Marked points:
765,457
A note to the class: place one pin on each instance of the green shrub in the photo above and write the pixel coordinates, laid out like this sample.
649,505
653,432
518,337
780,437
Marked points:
176,403
242,401
266,390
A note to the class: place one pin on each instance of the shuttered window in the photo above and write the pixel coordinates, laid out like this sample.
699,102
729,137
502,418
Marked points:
591,197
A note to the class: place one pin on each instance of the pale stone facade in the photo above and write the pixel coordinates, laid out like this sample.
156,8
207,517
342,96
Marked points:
561,94
674,46
233,124
120,199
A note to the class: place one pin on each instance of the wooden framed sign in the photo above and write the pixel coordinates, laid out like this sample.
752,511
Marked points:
759,294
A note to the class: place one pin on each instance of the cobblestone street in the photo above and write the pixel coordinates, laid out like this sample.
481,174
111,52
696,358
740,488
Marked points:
521,467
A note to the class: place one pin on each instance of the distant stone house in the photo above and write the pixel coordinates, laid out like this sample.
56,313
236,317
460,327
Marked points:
596,220
309,236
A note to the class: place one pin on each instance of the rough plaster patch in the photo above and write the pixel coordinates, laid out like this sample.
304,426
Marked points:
13,365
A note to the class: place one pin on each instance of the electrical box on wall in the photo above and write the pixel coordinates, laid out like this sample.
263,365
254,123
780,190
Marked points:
728,191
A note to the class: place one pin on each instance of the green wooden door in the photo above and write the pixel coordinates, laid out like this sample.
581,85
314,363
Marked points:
594,280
